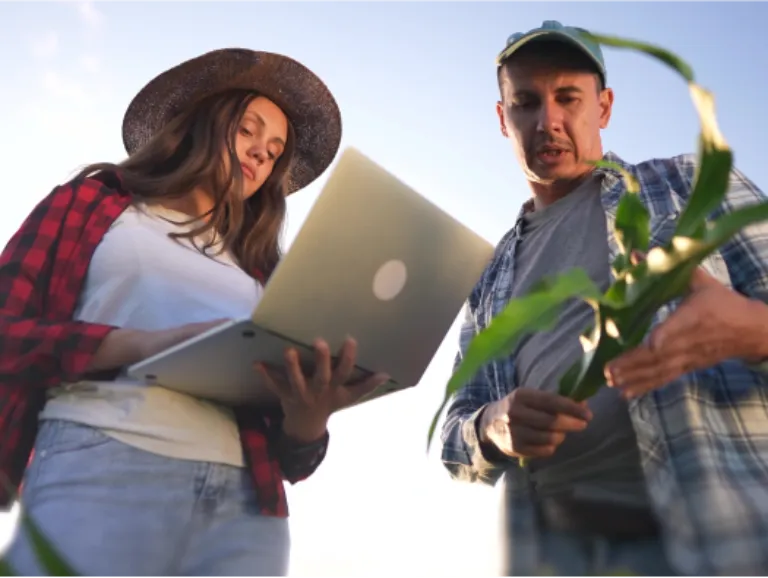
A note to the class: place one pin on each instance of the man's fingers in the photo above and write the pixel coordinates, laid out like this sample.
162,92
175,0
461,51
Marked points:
544,451
681,325
545,421
642,379
525,436
636,257
701,279
629,364
552,403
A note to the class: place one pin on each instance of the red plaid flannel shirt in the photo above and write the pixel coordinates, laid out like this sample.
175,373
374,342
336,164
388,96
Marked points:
42,271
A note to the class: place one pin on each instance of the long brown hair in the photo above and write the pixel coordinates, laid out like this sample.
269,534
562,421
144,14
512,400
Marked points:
187,153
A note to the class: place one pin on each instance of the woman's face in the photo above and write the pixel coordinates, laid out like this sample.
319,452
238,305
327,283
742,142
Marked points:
260,141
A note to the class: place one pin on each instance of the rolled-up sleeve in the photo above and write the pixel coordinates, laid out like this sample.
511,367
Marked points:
462,455
746,254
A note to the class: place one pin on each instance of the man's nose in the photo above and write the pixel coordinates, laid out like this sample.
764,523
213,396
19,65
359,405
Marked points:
550,118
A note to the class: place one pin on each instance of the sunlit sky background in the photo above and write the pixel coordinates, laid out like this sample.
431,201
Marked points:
416,85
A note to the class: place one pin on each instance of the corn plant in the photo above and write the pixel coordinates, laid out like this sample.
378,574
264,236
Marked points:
49,559
624,313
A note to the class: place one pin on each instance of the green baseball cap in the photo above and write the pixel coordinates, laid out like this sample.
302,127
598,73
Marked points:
553,30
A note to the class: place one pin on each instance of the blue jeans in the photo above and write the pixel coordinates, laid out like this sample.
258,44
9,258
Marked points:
565,554
112,509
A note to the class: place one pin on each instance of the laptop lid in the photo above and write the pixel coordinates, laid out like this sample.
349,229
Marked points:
376,261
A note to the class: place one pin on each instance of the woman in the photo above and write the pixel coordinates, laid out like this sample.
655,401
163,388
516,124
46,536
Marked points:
127,260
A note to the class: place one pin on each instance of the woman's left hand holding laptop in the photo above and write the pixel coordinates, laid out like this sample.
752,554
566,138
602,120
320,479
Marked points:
308,401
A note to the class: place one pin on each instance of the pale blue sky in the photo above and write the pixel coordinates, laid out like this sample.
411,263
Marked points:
416,85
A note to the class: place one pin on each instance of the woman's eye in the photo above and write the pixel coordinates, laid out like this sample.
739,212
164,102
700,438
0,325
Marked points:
245,132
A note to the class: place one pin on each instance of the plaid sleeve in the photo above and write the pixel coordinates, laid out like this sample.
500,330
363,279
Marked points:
296,461
34,350
299,461
264,441
462,455
746,254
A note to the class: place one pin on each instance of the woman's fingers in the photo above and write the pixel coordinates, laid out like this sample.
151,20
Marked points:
323,370
355,391
273,380
294,373
325,380
346,363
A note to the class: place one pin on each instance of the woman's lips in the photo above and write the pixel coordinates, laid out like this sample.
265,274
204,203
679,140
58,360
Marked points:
247,171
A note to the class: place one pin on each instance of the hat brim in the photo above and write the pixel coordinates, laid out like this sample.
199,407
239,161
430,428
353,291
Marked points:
556,35
302,96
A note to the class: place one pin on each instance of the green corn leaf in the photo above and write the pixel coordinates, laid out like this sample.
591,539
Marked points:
713,170
537,311
633,224
732,223
6,569
47,555
672,60
633,185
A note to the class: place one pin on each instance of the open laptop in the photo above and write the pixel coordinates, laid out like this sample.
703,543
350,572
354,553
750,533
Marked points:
374,260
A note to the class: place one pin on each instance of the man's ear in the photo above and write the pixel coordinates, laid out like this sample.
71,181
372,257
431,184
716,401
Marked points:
606,107
500,113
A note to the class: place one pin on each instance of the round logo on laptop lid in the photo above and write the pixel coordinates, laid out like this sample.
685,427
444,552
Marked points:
389,280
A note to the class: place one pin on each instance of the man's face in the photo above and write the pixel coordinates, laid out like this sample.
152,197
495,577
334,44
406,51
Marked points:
553,115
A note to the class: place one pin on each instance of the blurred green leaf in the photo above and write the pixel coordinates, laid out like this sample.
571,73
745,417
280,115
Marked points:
5,569
537,311
633,186
670,59
47,555
712,171
734,222
633,224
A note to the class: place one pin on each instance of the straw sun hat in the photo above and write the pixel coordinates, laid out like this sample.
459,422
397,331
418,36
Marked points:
303,97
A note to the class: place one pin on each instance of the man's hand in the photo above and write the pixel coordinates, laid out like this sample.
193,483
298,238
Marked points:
711,325
529,423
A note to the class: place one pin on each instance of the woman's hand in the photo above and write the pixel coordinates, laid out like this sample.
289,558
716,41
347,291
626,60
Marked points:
309,401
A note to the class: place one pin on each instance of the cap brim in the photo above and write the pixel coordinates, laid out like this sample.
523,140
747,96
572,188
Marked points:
556,35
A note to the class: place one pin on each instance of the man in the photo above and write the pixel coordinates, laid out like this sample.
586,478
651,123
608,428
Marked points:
666,470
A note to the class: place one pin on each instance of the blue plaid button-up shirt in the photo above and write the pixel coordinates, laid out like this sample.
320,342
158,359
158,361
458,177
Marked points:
703,439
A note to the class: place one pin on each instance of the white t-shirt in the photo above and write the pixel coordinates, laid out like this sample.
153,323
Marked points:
140,278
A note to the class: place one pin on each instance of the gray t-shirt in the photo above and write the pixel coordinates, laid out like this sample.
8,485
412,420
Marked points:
602,462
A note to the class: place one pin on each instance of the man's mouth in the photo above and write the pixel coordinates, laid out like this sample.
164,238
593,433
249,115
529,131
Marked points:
551,155
551,152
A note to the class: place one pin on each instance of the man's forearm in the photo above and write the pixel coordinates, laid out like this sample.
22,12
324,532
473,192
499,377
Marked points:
462,454
757,343
489,450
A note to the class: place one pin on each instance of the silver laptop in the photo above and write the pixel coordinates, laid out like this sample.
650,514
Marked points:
374,260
